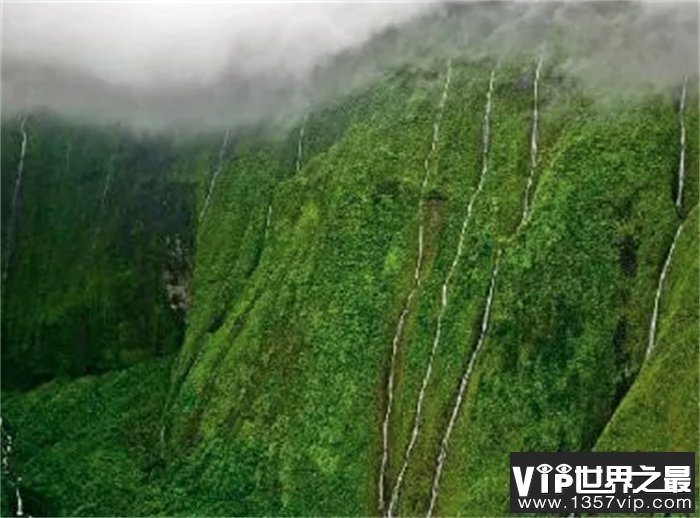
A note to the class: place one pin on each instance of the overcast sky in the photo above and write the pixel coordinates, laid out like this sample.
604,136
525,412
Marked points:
154,63
145,42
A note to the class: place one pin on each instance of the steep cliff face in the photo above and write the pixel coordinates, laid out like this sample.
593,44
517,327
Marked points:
303,252
292,377
659,413
98,228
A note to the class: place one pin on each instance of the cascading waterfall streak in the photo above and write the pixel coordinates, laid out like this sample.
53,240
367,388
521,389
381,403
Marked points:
409,298
20,504
268,219
207,200
681,161
215,176
659,290
444,299
463,384
300,143
679,205
108,185
533,140
103,200
16,198
464,381
6,442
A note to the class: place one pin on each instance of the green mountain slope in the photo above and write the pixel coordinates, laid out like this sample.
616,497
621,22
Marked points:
274,403
102,216
85,447
660,412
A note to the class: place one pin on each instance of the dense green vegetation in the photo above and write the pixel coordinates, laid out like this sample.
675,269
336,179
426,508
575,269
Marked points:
85,447
274,402
100,210
659,413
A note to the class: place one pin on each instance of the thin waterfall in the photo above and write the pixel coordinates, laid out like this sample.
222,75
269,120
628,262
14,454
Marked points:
486,135
215,176
267,221
103,200
161,435
659,289
108,185
533,140
463,384
300,143
18,497
13,480
202,214
681,162
409,298
16,198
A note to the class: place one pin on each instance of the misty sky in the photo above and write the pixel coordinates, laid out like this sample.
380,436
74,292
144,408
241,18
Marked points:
214,65
150,42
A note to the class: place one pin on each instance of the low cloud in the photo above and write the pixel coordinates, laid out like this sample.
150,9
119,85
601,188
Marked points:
213,65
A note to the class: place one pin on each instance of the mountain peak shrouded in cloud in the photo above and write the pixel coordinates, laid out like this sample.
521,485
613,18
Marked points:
150,43
213,65
159,56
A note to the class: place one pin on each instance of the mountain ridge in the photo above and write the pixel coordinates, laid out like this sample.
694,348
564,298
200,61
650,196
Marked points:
274,403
